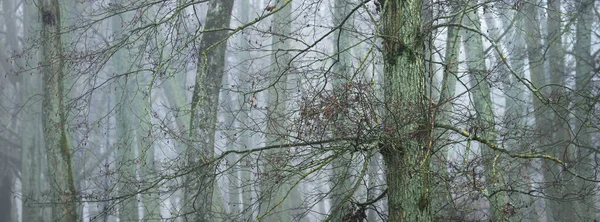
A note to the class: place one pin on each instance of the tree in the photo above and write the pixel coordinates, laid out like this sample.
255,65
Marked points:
290,110
54,115
406,125
275,188
128,210
205,100
583,109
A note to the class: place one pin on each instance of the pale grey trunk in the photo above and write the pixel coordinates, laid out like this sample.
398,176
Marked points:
557,102
141,108
484,123
145,136
125,156
583,110
199,191
54,116
520,171
231,108
342,73
31,132
444,200
543,118
245,116
274,201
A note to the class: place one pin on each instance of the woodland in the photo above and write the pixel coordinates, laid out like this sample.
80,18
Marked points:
299,110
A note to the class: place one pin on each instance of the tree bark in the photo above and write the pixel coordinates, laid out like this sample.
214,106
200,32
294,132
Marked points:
125,157
31,132
198,195
341,165
583,110
406,127
274,182
54,114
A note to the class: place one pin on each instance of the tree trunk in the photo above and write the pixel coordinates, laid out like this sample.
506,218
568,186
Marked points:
245,115
406,127
341,183
543,118
31,133
274,183
583,111
198,195
55,116
484,124
443,200
557,102
125,157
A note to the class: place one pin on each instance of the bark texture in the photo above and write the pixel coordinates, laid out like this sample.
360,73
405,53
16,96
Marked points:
198,200
54,116
406,127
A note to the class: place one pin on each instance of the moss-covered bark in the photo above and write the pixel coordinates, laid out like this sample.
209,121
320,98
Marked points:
54,115
198,200
406,128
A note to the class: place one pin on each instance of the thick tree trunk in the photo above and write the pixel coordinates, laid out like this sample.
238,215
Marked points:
198,195
55,115
406,127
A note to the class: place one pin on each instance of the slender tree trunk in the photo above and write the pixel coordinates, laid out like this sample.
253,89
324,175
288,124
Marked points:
484,123
145,136
543,118
443,200
231,107
274,183
31,134
125,157
341,183
245,115
54,116
557,102
520,172
583,110
406,129
198,195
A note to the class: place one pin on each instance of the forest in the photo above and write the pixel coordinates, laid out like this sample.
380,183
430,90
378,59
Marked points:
299,110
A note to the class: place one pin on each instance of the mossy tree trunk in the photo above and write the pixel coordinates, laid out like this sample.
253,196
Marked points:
54,116
198,195
406,127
